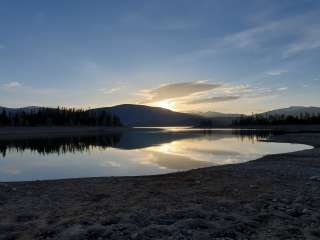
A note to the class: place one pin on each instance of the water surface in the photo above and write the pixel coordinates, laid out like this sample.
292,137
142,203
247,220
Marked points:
132,153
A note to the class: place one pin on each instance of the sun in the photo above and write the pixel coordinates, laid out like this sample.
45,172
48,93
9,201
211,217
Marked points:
167,104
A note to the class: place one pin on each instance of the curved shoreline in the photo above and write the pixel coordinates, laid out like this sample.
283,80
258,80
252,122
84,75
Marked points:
273,197
282,138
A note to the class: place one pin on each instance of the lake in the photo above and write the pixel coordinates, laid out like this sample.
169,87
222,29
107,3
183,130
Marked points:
142,151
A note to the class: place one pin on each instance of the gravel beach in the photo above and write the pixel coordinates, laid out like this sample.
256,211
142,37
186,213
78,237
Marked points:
274,197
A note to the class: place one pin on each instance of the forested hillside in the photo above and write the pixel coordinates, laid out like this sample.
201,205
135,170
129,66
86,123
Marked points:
58,117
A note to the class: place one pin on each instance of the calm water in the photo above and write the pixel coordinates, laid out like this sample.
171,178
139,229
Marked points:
141,152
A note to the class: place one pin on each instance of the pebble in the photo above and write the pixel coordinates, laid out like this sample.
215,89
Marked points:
285,200
306,211
293,212
315,178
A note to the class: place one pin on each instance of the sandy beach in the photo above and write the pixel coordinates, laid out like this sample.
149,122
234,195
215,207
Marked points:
274,197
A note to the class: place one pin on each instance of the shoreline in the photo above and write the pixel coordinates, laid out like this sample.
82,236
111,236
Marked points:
273,197
10,133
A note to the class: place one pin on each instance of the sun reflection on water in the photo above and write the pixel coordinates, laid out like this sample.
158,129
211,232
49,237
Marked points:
135,153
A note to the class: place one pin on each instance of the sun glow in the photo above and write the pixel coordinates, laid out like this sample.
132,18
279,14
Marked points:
167,104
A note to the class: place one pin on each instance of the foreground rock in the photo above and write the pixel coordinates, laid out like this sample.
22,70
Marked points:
275,197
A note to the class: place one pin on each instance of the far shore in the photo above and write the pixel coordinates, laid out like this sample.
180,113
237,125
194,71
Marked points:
61,131
285,128
274,197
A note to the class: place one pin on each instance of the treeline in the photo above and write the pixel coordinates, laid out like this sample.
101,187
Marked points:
58,117
259,119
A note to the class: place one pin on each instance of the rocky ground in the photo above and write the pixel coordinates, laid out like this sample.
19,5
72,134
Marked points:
275,197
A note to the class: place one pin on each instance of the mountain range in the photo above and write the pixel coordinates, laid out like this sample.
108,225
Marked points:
293,111
212,114
141,115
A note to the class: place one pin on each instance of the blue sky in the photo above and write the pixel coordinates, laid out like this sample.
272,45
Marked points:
230,56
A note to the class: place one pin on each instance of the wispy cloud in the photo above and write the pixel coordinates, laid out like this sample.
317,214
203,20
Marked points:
252,37
282,88
246,91
187,94
309,40
301,33
229,92
17,86
11,85
177,90
240,89
277,72
109,90
214,99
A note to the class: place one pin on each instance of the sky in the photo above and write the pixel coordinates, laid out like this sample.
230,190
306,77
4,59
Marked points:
225,55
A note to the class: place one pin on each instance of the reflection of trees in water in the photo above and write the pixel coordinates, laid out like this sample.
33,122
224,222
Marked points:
254,135
59,145
72,144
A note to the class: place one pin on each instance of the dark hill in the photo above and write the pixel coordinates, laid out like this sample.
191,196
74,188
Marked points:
141,115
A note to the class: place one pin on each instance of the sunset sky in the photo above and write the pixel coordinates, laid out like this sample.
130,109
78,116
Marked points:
228,56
